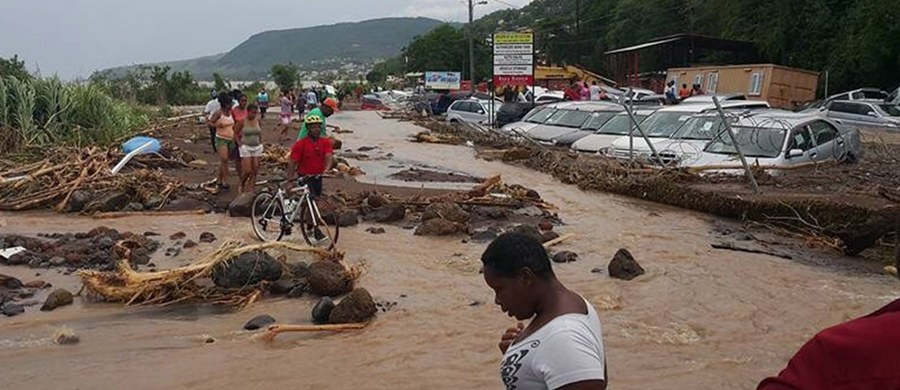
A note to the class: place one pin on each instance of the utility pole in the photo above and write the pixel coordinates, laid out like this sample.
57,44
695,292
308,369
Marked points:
578,17
471,46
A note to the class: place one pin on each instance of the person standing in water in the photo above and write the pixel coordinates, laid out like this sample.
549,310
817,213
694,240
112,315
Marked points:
562,346
223,121
251,148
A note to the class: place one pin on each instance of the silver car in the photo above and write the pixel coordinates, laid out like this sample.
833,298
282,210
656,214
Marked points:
473,111
569,118
615,128
864,113
537,116
781,140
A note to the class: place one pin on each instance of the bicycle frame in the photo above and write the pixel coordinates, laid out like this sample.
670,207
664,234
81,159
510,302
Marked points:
304,197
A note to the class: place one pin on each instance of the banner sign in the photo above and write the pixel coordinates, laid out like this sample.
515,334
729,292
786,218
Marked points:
443,80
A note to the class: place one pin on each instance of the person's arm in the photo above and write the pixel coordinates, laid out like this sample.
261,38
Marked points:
296,152
238,132
510,336
329,155
214,119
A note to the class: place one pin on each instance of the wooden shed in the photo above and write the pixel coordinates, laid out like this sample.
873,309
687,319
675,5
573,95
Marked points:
781,86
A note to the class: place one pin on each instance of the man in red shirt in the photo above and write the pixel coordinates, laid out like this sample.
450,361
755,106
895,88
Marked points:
862,354
312,155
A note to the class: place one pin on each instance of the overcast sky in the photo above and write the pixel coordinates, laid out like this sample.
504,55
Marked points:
72,38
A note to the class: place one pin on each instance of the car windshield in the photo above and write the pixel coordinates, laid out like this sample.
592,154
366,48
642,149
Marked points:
664,124
620,124
568,118
754,141
878,95
700,128
598,119
540,115
890,109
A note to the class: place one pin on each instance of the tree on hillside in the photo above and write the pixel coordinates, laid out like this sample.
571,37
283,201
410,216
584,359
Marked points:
286,75
14,67
391,67
220,84
446,49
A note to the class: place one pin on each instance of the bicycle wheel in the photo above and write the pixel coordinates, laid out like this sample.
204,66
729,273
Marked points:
267,217
311,221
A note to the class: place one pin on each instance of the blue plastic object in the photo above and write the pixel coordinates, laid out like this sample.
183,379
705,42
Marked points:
136,142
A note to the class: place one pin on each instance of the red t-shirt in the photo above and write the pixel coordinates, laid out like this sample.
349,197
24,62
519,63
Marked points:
862,354
310,155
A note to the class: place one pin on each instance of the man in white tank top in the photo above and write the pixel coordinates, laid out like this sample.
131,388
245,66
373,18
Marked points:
562,346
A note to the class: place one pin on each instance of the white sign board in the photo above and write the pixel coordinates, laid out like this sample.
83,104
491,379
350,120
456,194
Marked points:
513,70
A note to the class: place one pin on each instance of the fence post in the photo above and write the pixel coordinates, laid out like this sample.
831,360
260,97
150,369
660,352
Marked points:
638,126
737,148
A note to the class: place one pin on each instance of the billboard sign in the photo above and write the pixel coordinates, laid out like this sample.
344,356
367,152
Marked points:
513,59
443,80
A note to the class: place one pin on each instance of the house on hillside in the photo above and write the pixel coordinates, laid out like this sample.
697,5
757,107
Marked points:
781,86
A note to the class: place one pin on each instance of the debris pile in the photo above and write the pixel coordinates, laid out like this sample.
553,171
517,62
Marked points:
76,180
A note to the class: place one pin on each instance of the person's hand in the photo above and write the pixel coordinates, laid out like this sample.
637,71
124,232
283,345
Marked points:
510,336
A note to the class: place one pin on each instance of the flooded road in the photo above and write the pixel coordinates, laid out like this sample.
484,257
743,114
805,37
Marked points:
700,318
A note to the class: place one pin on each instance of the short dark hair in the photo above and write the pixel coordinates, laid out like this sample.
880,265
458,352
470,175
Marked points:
252,107
327,110
225,100
511,252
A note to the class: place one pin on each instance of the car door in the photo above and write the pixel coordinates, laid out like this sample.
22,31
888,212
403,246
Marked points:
846,112
828,140
455,111
479,112
801,139
465,112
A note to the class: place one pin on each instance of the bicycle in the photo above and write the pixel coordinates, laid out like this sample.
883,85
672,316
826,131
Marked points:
273,214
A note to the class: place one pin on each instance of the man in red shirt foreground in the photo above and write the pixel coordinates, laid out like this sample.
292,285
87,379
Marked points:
311,156
861,354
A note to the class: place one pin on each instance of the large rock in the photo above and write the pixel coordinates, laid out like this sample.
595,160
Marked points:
438,227
247,269
565,257
112,201
259,321
10,309
10,282
527,230
356,307
449,211
623,266
375,201
345,218
242,205
391,212
329,279
321,312
59,297
185,203
78,200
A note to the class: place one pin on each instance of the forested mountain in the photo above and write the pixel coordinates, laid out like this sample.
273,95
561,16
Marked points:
311,48
858,41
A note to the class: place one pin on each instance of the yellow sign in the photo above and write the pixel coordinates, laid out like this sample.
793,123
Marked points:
507,38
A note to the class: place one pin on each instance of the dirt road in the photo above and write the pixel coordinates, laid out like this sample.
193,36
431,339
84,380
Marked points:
700,318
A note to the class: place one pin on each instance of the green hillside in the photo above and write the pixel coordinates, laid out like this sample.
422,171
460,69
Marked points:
312,48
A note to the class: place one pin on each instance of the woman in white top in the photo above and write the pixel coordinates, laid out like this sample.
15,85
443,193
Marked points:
562,346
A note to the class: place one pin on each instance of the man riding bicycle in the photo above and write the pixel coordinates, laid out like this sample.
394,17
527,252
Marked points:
312,155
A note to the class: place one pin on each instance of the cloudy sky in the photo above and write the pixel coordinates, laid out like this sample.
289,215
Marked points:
72,38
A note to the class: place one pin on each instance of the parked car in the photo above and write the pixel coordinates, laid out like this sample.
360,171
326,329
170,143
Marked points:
372,102
593,124
568,118
894,97
864,113
513,112
532,119
860,94
472,111
781,140
619,125
708,98
550,97
665,122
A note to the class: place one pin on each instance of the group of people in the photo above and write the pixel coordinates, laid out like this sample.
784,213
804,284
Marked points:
674,96
580,91
235,128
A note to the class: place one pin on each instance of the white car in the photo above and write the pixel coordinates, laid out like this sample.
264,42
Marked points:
783,139
535,117
569,118
473,111
550,97
867,113
615,128
664,123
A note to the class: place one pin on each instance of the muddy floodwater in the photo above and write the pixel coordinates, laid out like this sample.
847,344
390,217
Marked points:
699,319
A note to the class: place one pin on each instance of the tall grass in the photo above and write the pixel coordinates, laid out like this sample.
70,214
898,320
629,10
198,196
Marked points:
45,112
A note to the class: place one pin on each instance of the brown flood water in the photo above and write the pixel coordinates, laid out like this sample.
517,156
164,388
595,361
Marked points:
699,318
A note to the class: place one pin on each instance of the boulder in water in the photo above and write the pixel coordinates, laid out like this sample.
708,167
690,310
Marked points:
59,297
242,205
246,270
438,227
356,307
446,210
259,321
391,212
329,279
565,257
623,266
321,312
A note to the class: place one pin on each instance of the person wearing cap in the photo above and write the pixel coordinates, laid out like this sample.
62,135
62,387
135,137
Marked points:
311,155
326,110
